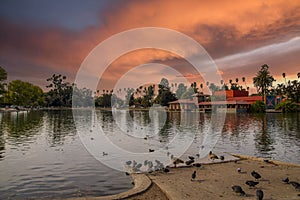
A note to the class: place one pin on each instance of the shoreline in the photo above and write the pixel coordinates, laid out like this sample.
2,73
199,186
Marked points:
213,181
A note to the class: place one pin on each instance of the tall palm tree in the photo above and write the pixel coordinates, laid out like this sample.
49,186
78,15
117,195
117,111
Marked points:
263,80
201,86
298,74
237,80
283,75
230,81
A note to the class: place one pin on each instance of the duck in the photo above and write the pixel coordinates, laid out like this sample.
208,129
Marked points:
193,176
175,160
255,175
252,183
238,189
259,194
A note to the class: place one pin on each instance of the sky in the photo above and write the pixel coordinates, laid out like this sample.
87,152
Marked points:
41,38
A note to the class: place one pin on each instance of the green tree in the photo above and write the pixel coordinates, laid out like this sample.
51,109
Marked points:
3,77
25,94
164,94
287,106
60,93
263,80
180,90
258,107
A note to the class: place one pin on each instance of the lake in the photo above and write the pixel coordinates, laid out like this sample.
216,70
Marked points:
42,155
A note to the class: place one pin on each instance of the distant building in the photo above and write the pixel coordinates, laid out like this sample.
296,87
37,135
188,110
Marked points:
236,101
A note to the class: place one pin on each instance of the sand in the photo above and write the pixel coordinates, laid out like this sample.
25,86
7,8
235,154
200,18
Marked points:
214,182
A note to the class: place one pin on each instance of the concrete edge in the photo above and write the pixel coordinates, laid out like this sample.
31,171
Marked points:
141,184
274,162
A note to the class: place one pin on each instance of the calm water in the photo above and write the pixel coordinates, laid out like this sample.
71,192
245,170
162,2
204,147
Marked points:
41,154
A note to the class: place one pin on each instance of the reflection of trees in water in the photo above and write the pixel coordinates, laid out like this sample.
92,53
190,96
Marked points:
60,124
264,138
21,125
290,124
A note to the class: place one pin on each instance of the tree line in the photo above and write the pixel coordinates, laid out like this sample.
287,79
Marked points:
60,92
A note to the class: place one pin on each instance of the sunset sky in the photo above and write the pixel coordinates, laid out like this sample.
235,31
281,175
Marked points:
40,38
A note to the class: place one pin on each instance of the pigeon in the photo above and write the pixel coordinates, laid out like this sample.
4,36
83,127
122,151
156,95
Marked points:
189,162
212,156
193,176
238,189
295,184
104,153
239,170
259,194
197,164
151,150
128,162
166,170
145,162
175,160
198,155
255,175
127,174
191,158
222,158
286,180
252,183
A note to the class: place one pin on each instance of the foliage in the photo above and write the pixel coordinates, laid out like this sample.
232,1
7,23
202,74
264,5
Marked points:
82,97
3,77
164,94
60,93
287,106
180,90
188,94
24,94
263,80
258,107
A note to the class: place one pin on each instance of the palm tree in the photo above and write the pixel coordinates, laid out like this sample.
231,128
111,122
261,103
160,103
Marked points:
298,74
283,75
237,80
263,80
201,86
230,81
244,80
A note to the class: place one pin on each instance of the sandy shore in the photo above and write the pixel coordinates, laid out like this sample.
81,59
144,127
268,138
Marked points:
214,181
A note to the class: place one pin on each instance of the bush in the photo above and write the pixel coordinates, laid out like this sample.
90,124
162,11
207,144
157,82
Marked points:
287,106
258,107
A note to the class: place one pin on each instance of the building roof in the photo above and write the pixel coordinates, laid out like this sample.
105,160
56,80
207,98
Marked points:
224,103
183,101
249,98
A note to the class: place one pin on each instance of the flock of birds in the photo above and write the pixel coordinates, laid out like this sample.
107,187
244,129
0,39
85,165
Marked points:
159,166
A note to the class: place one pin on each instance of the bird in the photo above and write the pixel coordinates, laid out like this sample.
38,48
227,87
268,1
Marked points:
104,153
198,155
189,162
193,176
295,184
175,160
166,170
191,158
222,158
145,162
252,183
128,162
127,174
212,156
151,150
238,189
235,161
197,164
259,194
239,170
286,180
255,175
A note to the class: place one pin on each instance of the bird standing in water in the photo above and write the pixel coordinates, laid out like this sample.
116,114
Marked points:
212,156
259,194
193,176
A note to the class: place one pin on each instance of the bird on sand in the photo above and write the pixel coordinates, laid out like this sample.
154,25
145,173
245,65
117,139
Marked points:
191,158
212,156
222,158
238,189
197,165
295,184
166,170
259,194
239,170
252,183
286,180
193,176
175,160
189,162
255,175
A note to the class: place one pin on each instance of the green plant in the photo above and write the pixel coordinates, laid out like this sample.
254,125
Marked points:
287,106
258,107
